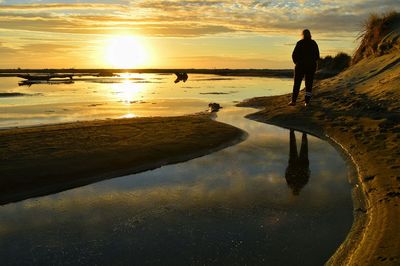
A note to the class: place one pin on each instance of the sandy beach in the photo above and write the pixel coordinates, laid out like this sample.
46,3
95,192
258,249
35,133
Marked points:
358,111
46,159
200,132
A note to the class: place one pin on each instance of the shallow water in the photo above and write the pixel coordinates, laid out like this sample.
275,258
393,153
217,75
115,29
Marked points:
267,200
127,96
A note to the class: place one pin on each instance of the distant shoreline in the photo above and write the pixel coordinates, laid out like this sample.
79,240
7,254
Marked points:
278,73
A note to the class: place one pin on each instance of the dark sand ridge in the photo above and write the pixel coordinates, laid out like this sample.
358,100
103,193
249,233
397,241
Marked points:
359,110
46,159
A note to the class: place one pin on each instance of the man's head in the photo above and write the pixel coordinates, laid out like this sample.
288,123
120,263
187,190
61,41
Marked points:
306,34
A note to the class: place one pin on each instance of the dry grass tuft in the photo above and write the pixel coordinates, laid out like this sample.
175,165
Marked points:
375,28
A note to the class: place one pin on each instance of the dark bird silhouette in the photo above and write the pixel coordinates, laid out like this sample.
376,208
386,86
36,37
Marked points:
214,107
298,170
181,77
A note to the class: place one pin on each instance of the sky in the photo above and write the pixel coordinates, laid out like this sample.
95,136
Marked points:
175,34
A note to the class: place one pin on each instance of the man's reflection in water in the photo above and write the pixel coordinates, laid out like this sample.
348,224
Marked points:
298,170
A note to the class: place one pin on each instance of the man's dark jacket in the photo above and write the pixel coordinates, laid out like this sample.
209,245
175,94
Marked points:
306,54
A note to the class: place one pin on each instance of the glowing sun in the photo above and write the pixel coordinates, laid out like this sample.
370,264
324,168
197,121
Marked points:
126,52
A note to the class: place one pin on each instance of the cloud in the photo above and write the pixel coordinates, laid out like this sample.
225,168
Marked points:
4,50
38,48
190,17
63,23
61,6
229,61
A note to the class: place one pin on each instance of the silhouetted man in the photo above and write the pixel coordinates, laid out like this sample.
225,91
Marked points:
305,56
298,170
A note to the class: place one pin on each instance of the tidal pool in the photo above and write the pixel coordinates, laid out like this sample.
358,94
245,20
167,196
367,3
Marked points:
280,197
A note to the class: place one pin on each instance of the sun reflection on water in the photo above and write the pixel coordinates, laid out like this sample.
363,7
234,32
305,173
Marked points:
128,91
129,115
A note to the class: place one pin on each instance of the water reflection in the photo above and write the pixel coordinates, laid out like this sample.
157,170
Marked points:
231,207
90,98
128,92
298,170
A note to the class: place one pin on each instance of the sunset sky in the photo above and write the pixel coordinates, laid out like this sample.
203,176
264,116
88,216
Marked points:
174,34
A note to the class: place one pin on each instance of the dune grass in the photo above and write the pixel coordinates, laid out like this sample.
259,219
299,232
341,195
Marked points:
374,29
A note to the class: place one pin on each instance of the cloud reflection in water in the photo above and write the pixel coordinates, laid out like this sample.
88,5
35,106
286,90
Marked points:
230,207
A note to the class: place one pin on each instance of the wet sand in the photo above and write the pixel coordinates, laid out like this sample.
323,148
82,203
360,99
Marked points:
359,112
41,160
